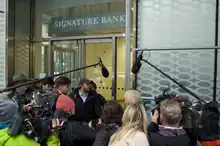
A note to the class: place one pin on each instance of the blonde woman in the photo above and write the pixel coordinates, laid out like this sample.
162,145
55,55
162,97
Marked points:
134,123
133,97
132,132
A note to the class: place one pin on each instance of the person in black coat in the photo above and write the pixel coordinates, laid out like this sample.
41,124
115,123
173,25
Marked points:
169,133
102,99
47,85
73,132
88,106
111,120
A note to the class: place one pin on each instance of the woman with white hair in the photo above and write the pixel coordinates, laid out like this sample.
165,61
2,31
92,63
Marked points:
133,130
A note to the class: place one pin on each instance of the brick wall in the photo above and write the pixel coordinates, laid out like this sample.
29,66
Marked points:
3,44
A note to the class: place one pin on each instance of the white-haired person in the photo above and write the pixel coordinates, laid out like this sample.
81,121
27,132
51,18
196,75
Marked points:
133,131
169,132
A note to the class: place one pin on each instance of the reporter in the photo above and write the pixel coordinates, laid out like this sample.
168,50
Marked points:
7,110
62,85
133,97
6,117
22,140
47,85
74,132
102,99
169,132
111,121
132,132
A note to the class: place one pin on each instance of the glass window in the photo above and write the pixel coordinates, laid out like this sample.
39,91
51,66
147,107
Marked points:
67,56
41,59
172,24
74,18
22,34
176,24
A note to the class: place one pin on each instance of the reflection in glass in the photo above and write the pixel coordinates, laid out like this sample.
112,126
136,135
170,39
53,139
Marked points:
41,62
67,57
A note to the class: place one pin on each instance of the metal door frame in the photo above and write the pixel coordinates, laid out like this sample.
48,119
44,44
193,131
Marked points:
82,40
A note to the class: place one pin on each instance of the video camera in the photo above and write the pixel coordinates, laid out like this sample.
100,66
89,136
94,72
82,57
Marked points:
34,120
169,95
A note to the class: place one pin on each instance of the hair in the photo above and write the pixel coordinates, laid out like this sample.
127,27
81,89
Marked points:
133,97
48,81
112,113
132,121
171,111
62,81
93,84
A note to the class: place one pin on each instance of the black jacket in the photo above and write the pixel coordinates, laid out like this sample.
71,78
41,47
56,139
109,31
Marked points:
21,99
209,130
168,137
104,135
90,110
102,100
76,134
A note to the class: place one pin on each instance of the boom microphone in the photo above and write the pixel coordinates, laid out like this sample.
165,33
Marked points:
137,64
104,70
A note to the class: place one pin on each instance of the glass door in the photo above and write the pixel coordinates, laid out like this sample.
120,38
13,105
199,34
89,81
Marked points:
67,56
95,48
73,54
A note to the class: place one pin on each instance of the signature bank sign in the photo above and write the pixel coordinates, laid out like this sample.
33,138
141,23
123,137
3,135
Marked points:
82,24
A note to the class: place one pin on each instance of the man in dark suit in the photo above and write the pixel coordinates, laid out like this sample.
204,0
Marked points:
87,102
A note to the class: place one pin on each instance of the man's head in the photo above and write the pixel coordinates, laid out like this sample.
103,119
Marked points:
20,79
93,85
47,84
84,85
170,113
62,84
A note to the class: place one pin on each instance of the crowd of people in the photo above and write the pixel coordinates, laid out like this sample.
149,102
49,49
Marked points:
85,118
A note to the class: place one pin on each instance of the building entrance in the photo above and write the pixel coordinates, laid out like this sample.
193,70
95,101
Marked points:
67,56
72,53
104,48
58,55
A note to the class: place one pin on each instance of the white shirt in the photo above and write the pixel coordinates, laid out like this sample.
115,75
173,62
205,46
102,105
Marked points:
83,96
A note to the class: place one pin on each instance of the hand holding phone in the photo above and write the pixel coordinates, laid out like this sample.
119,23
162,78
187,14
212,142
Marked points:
57,124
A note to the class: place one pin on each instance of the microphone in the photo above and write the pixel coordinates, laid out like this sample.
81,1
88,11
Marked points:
104,70
137,64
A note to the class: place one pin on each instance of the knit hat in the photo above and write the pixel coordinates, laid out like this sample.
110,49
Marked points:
65,103
7,111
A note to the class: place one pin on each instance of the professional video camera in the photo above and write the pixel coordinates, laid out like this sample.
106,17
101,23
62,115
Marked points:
188,113
44,99
166,95
34,120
